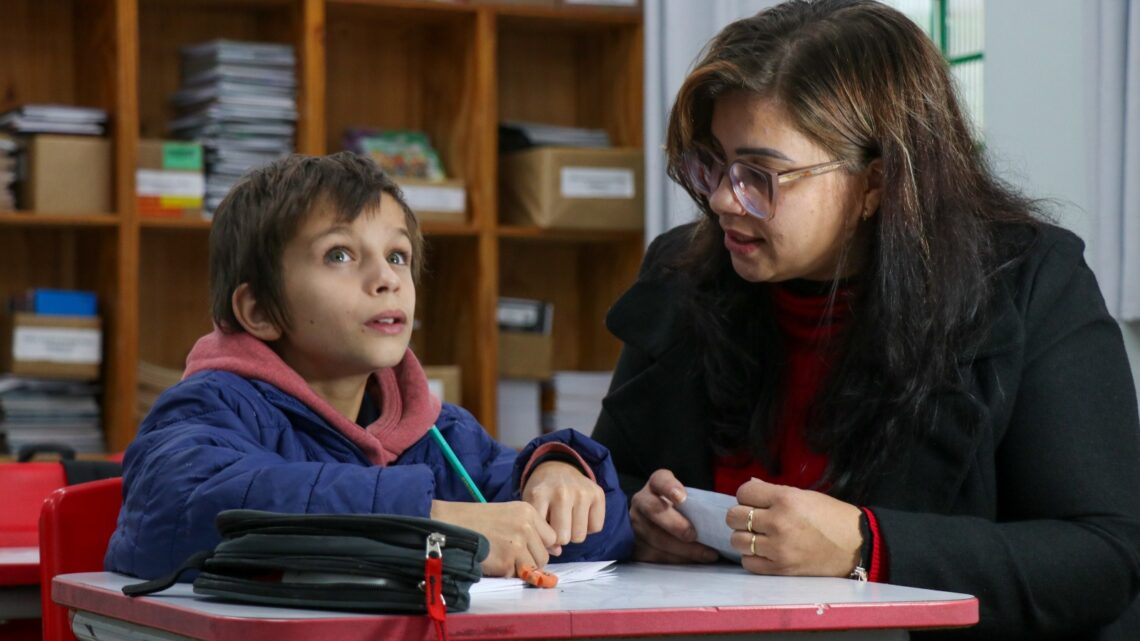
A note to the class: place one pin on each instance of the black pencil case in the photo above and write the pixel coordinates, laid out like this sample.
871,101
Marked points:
367,562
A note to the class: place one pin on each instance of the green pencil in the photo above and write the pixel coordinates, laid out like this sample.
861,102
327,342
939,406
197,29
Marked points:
456,465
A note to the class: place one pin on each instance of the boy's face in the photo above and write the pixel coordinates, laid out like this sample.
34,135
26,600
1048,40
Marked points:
349,293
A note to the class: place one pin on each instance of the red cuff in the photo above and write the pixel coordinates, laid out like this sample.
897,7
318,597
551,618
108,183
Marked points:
878,570
547,448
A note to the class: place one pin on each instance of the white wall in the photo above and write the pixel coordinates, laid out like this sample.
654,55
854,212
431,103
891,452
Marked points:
1039,124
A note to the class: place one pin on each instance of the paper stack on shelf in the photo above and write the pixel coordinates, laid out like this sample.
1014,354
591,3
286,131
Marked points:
153,381
515,135
36,410
54,119
520,411
7,172
577,400
239,100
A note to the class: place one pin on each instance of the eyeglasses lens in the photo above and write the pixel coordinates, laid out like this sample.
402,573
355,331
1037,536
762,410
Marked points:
752,188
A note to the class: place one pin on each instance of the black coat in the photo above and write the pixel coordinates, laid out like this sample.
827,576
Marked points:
1037,513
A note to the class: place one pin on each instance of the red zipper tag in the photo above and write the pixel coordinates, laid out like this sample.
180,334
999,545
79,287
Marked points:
433,584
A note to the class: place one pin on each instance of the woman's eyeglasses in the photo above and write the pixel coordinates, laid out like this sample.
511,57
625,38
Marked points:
754,187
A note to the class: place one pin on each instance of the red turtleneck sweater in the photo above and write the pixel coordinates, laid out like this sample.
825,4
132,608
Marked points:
809,327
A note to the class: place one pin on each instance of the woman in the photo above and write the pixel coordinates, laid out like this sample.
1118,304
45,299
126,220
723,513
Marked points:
873,343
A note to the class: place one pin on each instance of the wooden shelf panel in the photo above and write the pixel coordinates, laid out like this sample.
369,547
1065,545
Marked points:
564,19
417,10
32,219
520,232
448,229
175,223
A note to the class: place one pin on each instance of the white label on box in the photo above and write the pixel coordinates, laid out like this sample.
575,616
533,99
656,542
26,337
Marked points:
157,182
608,3
441,199
57,345
593,182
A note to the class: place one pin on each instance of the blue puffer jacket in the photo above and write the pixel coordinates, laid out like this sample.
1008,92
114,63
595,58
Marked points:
218,441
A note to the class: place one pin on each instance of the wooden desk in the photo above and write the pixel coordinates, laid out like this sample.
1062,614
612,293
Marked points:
641,600
19,583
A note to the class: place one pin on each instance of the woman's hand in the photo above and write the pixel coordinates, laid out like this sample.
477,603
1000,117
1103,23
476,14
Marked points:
568,500
664,535
518,536
794,531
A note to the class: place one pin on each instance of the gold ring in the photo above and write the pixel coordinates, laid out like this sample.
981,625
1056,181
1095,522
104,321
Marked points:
752,545
749,528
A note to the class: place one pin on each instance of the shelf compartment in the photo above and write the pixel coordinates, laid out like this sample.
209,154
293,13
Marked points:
174,294
582,280
403,66
585,76
167,25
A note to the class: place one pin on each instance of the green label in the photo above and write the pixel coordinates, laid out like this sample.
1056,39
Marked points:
181,155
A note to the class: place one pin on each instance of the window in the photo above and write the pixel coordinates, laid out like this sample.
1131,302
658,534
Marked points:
958,29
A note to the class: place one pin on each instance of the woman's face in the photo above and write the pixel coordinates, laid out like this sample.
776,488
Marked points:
815,217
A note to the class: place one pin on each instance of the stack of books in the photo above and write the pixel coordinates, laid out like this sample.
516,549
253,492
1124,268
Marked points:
153,381
7,172
577,400
54,119
238,99
42,411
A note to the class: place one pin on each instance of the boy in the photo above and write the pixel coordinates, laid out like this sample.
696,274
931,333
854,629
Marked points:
306,399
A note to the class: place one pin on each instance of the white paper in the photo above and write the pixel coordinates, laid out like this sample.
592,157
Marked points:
567,573
595,182
429,198
707,511
57,345
153,182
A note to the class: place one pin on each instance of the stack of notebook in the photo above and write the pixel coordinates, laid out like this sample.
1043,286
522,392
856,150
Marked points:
239,100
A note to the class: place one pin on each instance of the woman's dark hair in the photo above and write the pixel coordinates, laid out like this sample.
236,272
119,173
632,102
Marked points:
264,210
862,81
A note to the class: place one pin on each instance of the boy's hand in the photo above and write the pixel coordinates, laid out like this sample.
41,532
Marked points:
519,536
569,501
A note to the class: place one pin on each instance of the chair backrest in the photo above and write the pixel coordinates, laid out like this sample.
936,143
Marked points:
75,526
25,486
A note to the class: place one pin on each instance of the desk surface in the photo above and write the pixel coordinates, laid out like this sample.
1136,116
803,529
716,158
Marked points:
640,600
19,566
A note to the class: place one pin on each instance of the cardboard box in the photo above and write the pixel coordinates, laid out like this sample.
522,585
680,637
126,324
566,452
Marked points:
435,200
573,188
67,175
169,181
51,346
446,382
525,355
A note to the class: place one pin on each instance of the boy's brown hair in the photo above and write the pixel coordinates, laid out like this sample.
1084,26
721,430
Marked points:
263,211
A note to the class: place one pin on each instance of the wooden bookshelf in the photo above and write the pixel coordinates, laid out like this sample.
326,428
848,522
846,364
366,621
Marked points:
453,70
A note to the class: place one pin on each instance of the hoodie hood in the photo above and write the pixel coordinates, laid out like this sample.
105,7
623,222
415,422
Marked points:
408,408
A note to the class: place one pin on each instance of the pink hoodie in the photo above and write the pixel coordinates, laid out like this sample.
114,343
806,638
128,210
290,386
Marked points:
408,408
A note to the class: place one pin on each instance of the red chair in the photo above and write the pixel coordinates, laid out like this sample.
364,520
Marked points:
25,486
75,526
